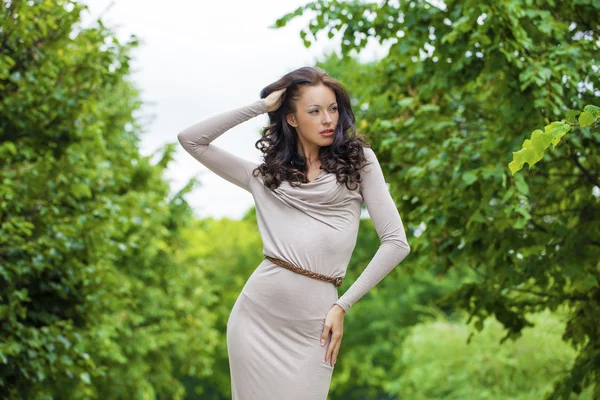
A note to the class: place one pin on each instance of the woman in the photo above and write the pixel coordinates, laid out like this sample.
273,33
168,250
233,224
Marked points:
285,329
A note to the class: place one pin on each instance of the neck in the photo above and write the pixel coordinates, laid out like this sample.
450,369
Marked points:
309,151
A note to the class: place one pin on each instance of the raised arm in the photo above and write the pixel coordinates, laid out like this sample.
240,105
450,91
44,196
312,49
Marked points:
196,141
388,224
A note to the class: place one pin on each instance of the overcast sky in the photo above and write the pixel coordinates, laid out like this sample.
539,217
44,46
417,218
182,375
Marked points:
200,58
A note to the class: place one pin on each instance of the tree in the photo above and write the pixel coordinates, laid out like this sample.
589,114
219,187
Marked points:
461,86
95,301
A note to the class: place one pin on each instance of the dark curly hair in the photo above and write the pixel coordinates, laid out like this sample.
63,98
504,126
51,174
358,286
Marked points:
279,140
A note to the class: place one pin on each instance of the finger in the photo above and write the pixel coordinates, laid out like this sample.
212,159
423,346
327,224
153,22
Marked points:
335,354
329,355
325,333
334,347
330,350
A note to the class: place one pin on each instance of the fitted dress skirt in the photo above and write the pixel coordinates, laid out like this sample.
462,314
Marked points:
273,336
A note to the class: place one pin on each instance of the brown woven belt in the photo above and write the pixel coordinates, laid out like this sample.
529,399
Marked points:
336,281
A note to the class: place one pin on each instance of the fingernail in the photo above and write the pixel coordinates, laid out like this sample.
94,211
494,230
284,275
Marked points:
322,342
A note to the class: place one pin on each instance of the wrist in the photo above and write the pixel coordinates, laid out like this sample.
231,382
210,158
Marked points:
341,308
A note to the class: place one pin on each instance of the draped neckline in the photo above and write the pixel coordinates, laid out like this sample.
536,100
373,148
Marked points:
323,199
323,173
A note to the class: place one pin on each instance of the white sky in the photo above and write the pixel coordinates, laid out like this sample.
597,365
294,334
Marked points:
200,58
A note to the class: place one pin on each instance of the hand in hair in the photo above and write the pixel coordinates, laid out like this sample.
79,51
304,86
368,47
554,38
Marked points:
275,99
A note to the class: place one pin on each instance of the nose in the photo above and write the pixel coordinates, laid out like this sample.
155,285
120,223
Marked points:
328,119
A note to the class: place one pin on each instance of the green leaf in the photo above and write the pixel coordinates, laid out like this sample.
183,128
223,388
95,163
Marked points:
591,109
519,224
572,116
85,377
81,190
557,130
523,212
586,118
533,149
469,178
9,147
508,195
521,185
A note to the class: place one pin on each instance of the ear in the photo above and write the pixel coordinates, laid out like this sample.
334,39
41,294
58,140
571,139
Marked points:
291,119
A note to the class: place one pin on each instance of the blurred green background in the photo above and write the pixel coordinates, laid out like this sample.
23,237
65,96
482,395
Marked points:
112,289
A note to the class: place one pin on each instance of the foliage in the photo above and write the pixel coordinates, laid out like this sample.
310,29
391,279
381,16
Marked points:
93,299
460,85
227,252
437,363
533,149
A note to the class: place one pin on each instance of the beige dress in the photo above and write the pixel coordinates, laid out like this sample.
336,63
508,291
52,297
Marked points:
274,329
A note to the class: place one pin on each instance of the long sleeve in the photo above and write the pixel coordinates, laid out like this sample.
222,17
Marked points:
388,224
196,141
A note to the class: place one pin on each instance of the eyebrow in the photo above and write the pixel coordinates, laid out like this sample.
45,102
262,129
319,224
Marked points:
310,105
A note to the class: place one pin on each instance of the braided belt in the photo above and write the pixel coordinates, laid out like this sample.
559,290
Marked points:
336,281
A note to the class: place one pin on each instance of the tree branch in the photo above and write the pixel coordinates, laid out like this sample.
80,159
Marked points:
586,173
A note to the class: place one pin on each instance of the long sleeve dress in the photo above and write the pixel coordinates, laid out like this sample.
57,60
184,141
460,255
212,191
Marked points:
274,328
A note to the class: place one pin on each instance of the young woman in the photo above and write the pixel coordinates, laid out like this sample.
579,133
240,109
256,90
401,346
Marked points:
285,329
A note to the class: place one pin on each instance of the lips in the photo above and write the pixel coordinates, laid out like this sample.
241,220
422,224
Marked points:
328,132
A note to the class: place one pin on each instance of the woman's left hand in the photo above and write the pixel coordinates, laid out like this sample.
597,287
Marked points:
334,322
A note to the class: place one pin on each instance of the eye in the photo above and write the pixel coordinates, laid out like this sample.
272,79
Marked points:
310,112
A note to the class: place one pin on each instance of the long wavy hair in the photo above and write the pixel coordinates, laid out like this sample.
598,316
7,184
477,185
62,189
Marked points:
279,140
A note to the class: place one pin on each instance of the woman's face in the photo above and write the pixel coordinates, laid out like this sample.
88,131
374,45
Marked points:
316,111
